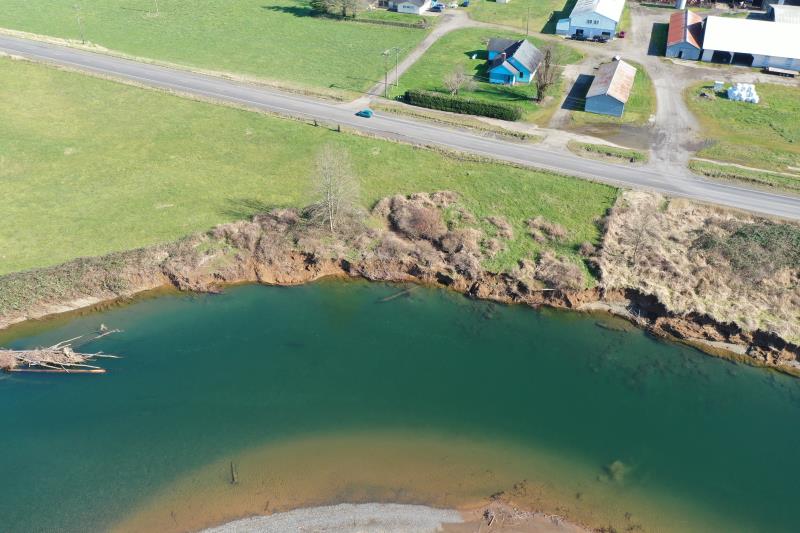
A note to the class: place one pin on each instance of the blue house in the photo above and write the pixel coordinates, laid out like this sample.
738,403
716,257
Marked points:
512,62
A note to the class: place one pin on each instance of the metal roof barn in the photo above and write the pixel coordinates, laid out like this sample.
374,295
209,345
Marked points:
786,14
756,43
611,88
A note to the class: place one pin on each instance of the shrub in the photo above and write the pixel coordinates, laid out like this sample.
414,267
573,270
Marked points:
466,264
587,249
466,239
559,273
756,250
460,104
418,222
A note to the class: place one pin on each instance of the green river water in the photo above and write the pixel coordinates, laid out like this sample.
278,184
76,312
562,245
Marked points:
324,393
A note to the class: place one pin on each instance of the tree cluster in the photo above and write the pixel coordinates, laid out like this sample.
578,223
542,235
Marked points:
339,8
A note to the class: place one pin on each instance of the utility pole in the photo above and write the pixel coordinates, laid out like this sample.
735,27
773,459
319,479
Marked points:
386,72
396,65
79,18
528,22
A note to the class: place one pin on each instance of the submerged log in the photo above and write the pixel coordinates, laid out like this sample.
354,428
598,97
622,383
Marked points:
404,292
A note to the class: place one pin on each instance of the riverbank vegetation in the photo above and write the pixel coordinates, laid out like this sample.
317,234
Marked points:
762,136
455,51
81,178
276,40
735,268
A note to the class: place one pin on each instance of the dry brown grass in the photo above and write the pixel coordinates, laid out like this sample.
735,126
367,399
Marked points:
695,258
559,273
542,230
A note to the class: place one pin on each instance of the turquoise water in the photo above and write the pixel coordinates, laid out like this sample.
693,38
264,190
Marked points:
206,377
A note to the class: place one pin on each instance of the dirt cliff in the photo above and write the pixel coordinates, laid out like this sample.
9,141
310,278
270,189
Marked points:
404,240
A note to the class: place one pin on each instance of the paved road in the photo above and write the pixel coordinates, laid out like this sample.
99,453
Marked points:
403,129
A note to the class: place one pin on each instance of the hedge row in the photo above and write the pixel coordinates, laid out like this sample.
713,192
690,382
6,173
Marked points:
459,104
421,25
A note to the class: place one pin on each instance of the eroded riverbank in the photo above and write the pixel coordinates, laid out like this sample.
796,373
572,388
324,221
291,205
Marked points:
657,269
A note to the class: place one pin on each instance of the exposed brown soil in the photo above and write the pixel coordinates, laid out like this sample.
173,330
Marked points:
406,241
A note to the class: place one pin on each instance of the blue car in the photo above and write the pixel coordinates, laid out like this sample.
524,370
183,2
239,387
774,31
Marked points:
366,113
438,8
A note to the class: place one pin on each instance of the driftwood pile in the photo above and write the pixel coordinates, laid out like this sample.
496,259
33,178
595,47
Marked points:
58,358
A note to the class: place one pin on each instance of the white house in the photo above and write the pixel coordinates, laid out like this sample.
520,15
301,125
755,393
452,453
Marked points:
416,7
592,18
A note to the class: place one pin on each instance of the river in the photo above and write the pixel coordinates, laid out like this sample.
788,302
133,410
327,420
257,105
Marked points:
324,393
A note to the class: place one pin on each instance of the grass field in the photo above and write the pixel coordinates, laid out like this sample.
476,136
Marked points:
603,151
272,39
457,48
537,15
89,166
641,104
733,173
764,135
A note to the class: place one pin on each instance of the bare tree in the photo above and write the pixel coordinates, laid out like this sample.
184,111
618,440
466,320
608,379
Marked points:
350,7
336,188
459,80
547,73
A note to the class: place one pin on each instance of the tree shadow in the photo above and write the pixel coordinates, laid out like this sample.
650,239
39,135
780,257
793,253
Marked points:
505,92
555,16
299,10
244,208
658,39
576,98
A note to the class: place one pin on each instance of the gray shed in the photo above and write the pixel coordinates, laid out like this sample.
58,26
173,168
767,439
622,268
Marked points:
610,89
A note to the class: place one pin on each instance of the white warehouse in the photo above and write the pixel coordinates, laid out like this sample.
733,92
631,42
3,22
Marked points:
756,43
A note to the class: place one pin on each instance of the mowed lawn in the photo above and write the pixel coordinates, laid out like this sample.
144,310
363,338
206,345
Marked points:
89,166
458,47
275,40
764,135
640,107
535,15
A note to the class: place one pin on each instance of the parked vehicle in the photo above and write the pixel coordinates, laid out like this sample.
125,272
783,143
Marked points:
465,4
438,8
579,37
780,72
599,39
453,5
365,113
621,34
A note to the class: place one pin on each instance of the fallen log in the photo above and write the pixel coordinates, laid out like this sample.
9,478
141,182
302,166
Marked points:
59,370
59,358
